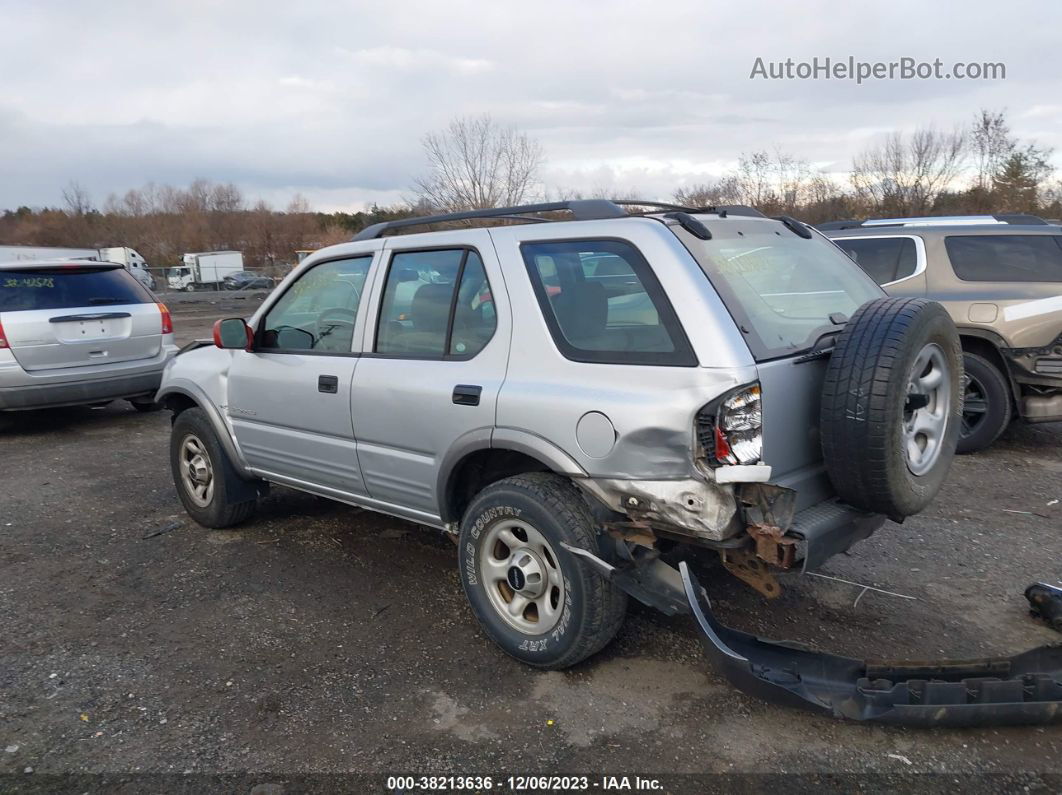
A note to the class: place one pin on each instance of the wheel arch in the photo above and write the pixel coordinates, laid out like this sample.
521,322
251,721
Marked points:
180,397
484,456
987,345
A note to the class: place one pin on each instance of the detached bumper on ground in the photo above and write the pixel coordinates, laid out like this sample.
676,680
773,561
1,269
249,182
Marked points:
1024,689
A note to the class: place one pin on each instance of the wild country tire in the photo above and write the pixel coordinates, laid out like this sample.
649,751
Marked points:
871,406
193,432
987,409
590,610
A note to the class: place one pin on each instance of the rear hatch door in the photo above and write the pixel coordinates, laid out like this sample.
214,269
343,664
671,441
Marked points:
789,294
75,316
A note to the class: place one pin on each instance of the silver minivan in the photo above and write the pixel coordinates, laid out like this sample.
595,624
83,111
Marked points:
79,332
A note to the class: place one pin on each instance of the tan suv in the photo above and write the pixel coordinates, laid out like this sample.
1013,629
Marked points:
1000,278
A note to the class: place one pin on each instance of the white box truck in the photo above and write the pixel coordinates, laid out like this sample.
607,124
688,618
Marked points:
123,255
205,269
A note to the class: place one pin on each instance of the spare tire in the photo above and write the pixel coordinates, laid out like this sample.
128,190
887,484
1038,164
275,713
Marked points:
892,406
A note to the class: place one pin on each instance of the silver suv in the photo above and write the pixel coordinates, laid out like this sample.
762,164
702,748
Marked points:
76,332
580,403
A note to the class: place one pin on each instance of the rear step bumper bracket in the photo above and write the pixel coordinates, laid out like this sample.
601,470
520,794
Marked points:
1025,689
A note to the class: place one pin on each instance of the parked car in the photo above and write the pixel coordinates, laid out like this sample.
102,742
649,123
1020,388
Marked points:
79,332
247,280
581,404
1000,278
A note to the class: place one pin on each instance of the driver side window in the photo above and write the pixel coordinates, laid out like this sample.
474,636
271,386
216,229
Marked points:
318,311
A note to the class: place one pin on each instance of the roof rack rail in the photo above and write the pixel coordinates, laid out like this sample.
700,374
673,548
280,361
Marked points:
581,210
723,210
937,220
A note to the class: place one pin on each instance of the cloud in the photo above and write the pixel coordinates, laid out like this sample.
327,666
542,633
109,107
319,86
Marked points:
620,94
402,58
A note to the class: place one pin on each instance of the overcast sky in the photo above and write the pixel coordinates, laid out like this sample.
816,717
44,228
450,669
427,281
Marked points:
332,99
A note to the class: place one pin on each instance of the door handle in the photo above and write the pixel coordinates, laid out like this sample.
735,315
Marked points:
329,384
467,394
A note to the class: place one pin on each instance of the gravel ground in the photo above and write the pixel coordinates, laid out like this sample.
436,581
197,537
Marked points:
321,638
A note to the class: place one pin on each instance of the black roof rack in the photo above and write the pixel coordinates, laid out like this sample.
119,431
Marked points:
581,210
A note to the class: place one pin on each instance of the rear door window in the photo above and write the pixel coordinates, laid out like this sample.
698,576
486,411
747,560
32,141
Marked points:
436,304
66,288
885,259
603,303
1006,258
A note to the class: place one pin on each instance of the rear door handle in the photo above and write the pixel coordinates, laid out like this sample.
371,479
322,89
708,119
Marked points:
329,384
467,394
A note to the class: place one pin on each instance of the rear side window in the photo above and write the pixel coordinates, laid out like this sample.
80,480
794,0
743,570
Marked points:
1006,258
603,303
436,304
67,288
884,259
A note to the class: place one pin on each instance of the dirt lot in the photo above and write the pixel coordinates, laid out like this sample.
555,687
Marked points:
323,638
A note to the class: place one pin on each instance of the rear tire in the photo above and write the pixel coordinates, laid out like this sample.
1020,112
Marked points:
987,408
202,473
510,549
891,406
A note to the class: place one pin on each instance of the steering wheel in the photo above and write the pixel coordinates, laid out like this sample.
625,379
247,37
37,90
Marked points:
334,322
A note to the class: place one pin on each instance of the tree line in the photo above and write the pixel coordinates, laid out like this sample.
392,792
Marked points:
980,167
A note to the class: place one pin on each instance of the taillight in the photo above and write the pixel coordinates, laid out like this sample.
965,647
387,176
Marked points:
167,321
730,430
3,339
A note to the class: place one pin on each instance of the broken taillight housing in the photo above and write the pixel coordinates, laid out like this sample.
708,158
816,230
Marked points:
730,429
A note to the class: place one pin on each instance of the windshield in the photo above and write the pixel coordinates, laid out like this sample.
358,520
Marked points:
780,288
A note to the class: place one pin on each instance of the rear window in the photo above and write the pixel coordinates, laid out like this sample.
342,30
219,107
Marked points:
55,288
883,259
781,289
1006,258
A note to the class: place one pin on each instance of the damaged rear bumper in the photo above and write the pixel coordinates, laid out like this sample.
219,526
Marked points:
1025,689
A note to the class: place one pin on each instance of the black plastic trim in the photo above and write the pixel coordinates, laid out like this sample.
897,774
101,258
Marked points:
1024,689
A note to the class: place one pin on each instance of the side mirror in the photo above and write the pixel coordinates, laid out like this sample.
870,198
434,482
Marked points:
233,333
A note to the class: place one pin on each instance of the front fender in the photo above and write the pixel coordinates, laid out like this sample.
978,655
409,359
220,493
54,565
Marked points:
187,388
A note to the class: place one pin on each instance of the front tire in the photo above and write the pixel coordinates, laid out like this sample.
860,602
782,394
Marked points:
535,599
986,410
202,473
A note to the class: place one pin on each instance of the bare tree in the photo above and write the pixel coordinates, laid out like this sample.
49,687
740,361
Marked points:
992,144
476,163
903,175
76,199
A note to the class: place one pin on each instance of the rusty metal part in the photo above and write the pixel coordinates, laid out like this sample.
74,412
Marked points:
752,571
772,546
633,532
